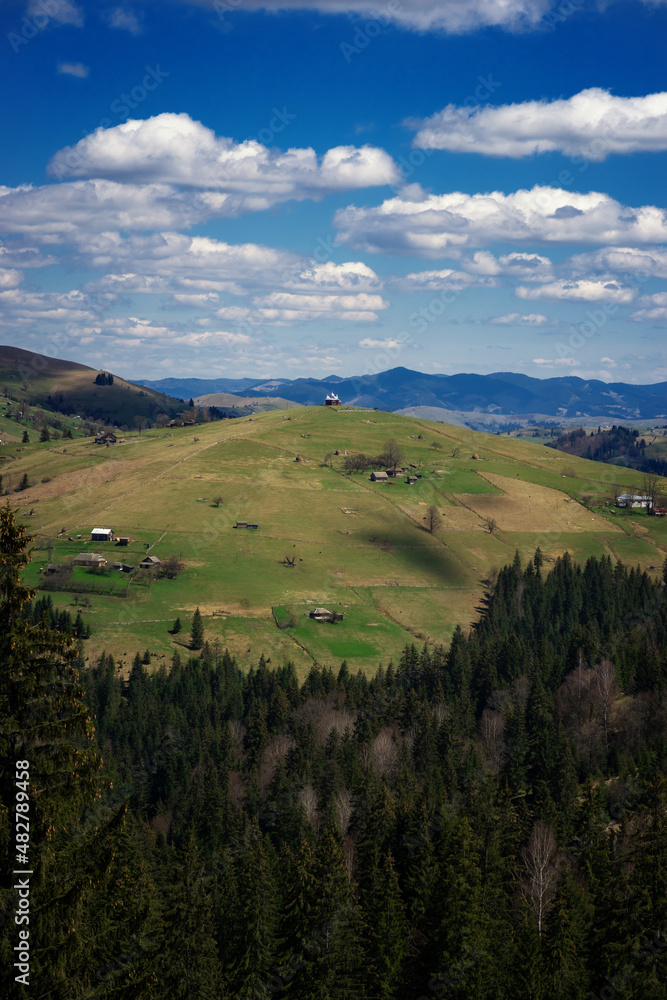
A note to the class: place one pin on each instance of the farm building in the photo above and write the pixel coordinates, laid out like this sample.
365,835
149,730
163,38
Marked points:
101,535
331,399
379,477
51,569
150,562
633,500
90,559
324,615
412,480
123,540
106,438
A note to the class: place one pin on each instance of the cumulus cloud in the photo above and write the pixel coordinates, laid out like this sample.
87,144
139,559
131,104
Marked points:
17,256
654,308
591,124
650,262
526,266
59,213
439,225
445,278
517,319
452,16
585,290
192,268
9,278
232,176
284,308
73,69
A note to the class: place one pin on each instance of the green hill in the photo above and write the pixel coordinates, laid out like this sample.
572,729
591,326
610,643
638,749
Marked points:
68,387
325,537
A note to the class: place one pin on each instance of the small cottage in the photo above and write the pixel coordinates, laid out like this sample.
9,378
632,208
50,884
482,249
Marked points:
150,562
91,559
331,399
634,501
412,480
101,535
379,477
320,614
106,438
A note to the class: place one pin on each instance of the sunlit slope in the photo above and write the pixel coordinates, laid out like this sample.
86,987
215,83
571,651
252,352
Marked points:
354,544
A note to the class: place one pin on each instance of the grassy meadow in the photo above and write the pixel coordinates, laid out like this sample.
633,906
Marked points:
325,537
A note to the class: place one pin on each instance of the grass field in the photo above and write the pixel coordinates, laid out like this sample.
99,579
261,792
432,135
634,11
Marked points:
324,537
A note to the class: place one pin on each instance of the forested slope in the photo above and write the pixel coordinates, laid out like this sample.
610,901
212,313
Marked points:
483,821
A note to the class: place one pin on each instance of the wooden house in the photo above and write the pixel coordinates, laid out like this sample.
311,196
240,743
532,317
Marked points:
101,535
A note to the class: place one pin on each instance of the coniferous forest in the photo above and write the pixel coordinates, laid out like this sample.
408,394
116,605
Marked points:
482,822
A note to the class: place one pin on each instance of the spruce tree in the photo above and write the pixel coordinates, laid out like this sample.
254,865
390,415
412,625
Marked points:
45,436
26,438
47,735
196,631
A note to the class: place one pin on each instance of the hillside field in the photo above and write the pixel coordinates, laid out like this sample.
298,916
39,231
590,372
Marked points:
357,547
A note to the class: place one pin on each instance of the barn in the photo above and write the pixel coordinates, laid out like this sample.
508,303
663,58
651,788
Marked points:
101,535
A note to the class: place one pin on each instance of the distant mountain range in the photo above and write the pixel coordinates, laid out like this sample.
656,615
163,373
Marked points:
465,396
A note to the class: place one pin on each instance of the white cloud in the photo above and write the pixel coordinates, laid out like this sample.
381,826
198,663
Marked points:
555,363
63,11
16,256
57,213
73,69
591,124
445,278
453,16
643,262
527,266
284,308
389,343
10,278
585,290
125,19
655,308
232,177
440,224
516,319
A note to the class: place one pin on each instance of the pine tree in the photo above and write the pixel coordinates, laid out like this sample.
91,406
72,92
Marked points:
176,627
196,631
26,438
45,436
47,729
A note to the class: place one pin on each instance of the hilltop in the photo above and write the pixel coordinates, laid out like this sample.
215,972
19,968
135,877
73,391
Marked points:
325,537
67,387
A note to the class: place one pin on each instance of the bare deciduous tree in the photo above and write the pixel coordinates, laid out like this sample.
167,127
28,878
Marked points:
490,524
433,519
540,872
392,456
308,799
606,685
217,501
343,809
383,753
491,729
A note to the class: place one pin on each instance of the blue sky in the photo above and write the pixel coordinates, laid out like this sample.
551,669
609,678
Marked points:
313,187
